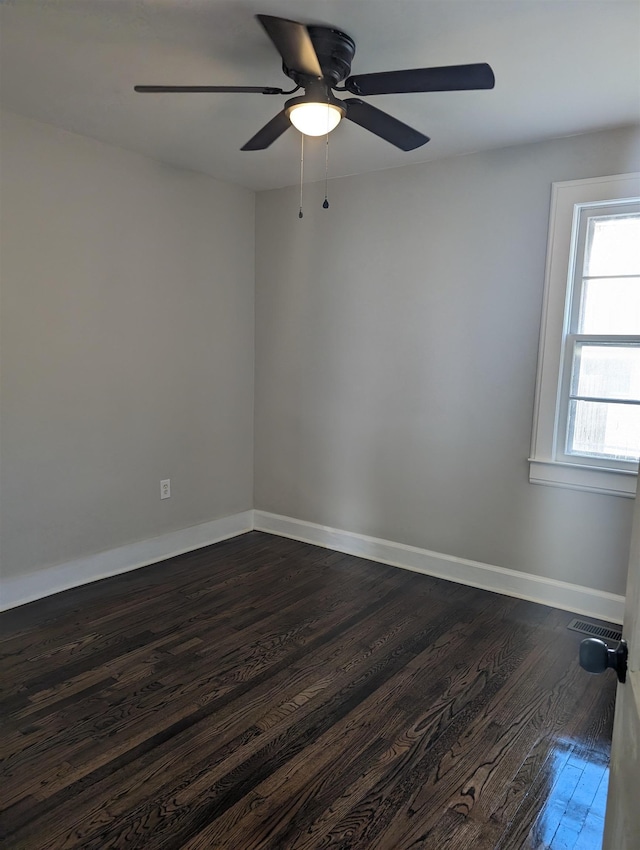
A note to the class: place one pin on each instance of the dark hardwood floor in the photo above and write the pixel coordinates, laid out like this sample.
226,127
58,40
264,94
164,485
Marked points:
263,693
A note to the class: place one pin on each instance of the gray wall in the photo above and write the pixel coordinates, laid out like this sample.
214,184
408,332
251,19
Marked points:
396,347
127,347
396,350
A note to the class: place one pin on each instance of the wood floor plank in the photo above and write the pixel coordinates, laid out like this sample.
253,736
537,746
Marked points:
203,801
265,694
334,760
100,748
491,738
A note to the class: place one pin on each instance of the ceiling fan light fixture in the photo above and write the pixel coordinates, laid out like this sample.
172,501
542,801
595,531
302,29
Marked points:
317,58
315,119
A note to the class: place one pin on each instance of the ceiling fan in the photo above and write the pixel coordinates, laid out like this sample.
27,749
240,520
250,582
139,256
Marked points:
317,59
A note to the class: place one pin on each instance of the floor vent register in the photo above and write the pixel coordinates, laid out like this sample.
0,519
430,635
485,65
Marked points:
594,630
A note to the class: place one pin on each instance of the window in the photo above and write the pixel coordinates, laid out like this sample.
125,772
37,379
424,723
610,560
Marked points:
587,426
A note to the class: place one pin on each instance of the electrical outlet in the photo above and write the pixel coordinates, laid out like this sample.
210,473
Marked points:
165,488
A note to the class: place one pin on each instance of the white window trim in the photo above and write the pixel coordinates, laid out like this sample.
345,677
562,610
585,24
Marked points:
544,467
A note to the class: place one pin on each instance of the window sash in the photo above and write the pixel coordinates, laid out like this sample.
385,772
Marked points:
573,343
582,215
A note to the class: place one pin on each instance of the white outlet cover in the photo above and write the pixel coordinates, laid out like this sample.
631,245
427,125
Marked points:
165,488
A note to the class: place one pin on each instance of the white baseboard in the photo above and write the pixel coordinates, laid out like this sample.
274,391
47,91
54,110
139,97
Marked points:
558,594
22,589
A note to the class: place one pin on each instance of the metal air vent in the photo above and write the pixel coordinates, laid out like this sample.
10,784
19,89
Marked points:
605,632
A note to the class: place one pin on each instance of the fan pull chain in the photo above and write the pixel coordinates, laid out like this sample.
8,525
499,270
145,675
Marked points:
301,171
325,203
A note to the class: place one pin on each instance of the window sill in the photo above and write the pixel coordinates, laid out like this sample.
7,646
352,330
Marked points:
593,479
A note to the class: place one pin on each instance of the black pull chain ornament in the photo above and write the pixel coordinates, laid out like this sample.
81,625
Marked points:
325,203
300,214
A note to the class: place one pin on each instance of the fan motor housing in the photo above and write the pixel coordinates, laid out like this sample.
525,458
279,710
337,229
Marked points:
335,51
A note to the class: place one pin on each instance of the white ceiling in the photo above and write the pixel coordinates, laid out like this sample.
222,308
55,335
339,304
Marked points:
562,67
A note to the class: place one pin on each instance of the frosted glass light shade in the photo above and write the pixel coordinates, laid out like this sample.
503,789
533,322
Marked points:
315,119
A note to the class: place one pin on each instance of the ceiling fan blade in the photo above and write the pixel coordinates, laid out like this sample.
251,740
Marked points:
383,125
269,133
447,78
293,43
256,89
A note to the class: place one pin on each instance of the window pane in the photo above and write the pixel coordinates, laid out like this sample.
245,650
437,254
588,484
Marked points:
604,430
606,371
613,245
610,306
